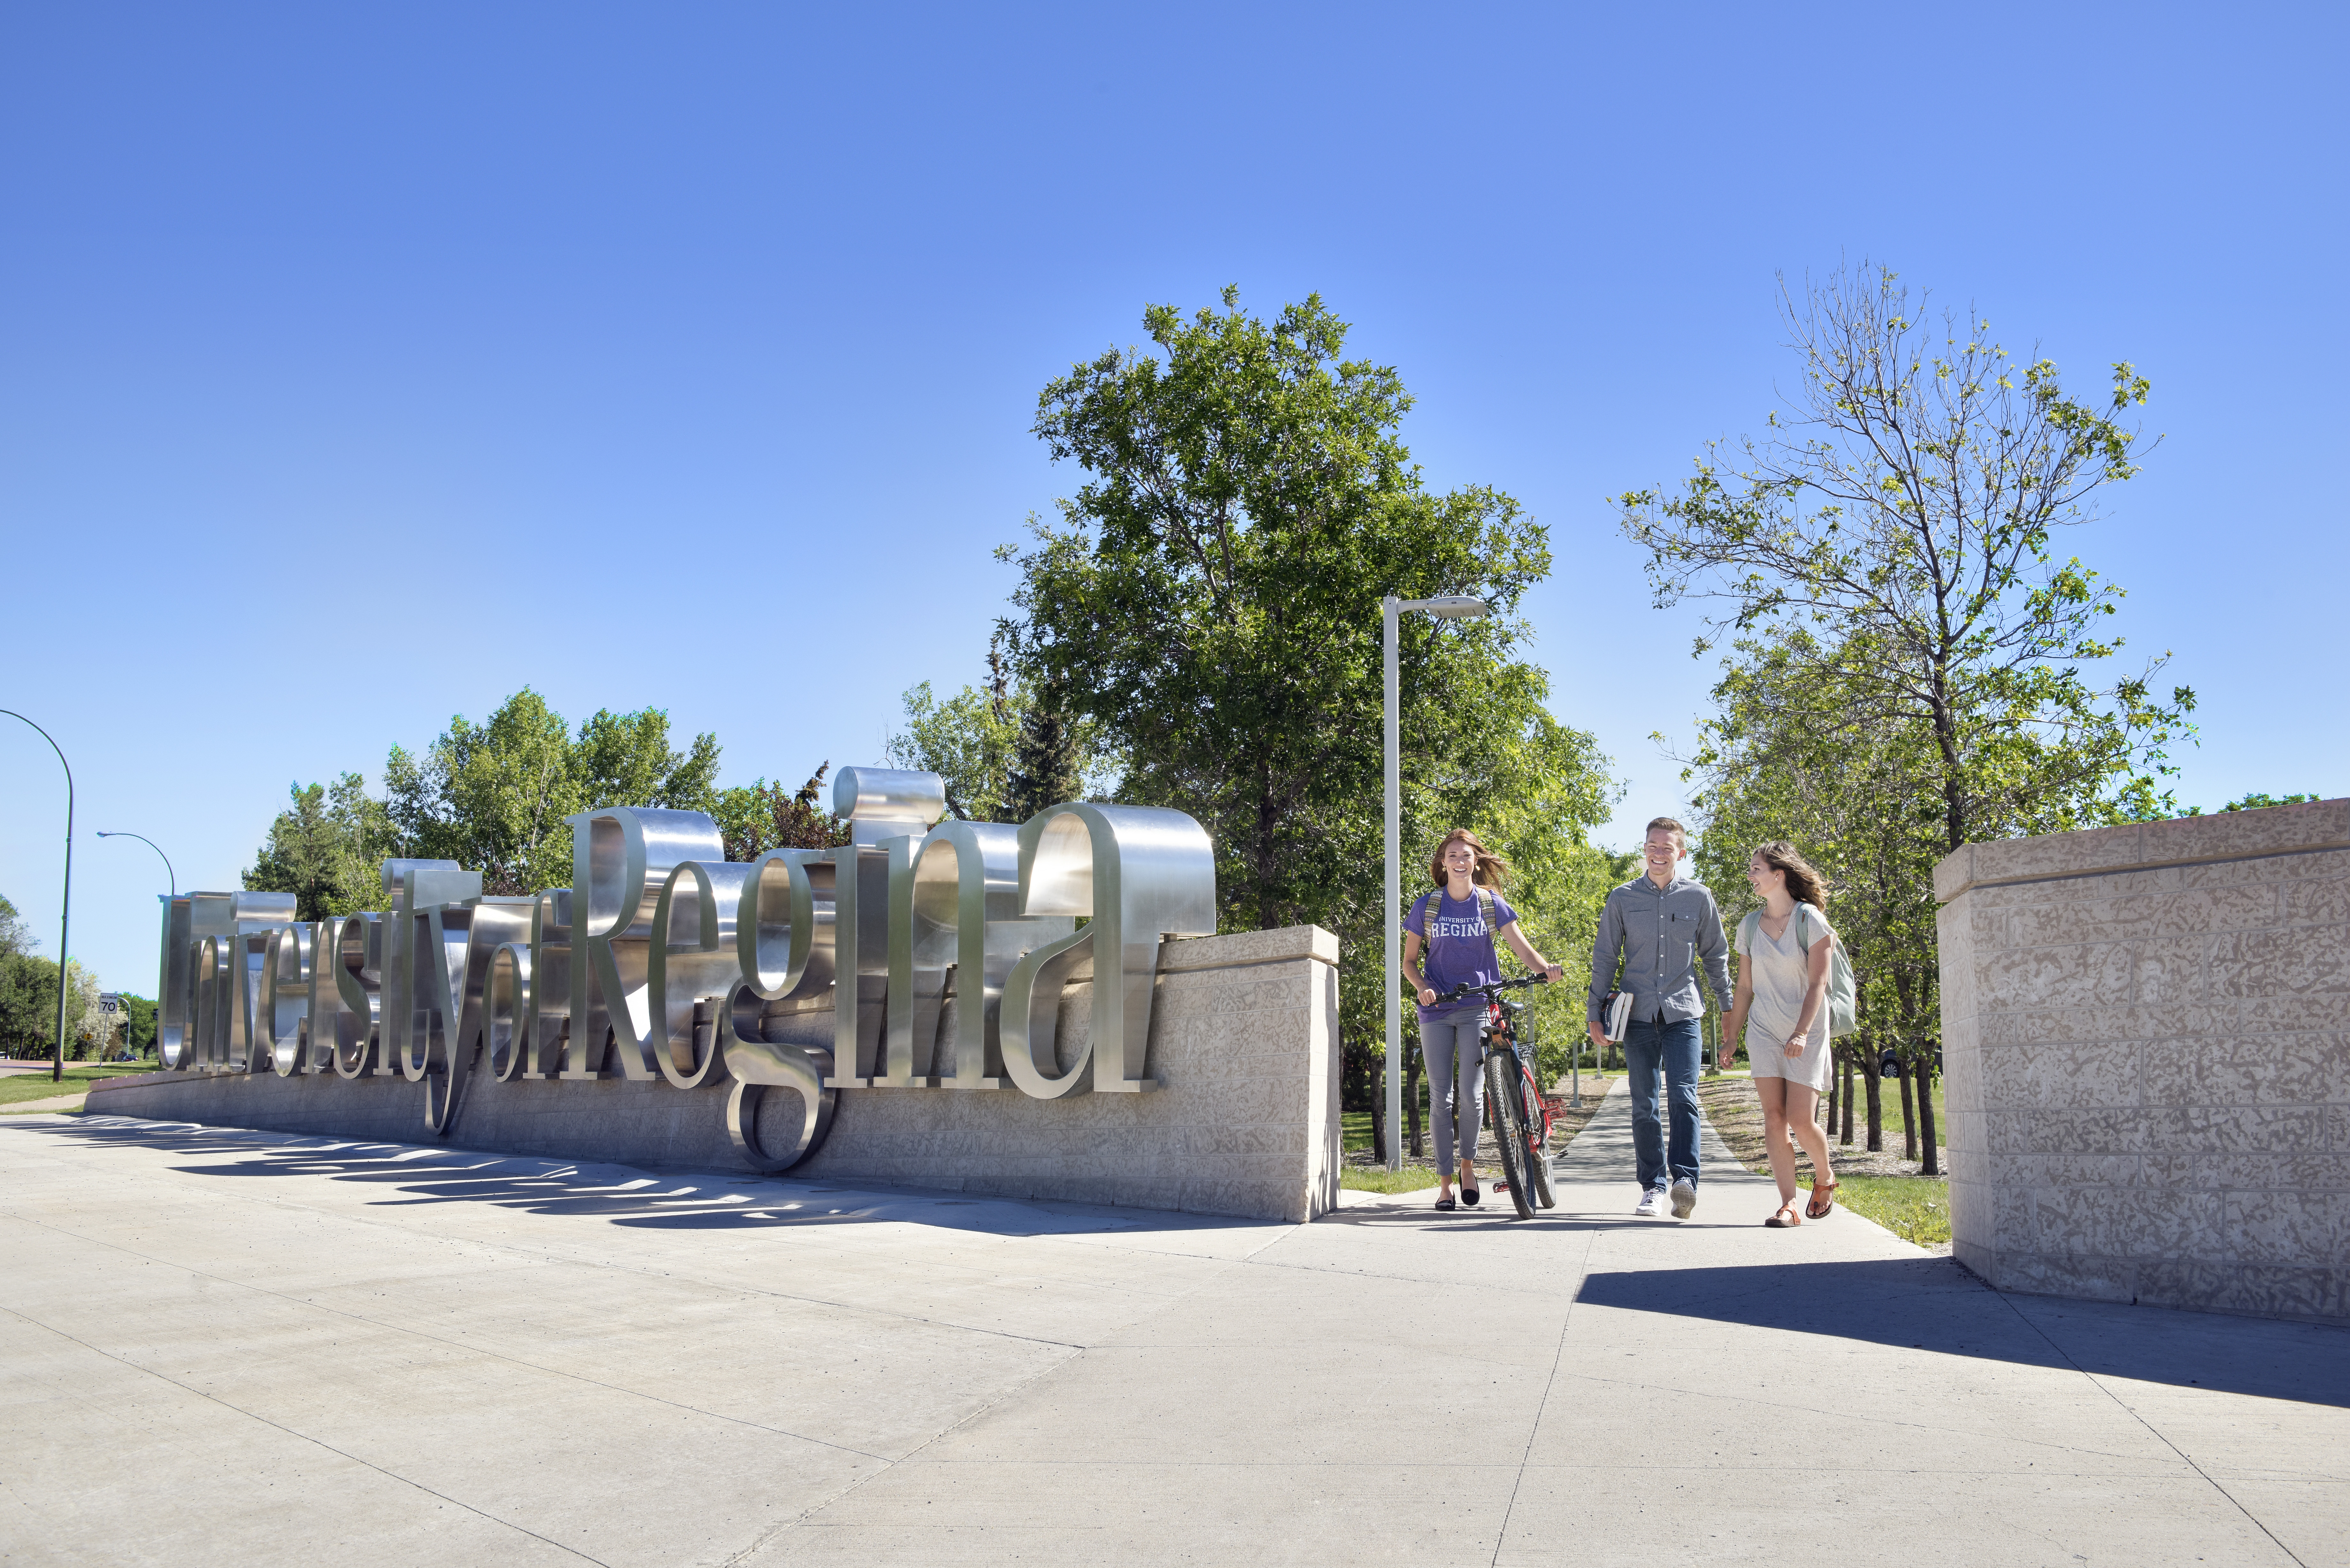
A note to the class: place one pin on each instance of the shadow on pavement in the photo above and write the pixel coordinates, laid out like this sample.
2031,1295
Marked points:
412,1175
1933,1303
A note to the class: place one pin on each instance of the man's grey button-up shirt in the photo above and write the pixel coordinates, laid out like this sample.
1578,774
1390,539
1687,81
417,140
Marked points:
1661,936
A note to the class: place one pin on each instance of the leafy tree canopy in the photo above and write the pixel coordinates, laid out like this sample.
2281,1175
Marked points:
494,796
1209,602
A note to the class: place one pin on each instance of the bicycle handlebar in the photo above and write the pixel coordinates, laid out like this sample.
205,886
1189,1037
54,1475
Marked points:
1493,990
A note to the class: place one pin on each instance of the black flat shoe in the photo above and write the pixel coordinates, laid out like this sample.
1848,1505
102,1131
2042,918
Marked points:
1470,1195
1445,1204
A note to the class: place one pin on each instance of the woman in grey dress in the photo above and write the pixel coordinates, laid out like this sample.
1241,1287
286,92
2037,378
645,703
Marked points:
1782,1000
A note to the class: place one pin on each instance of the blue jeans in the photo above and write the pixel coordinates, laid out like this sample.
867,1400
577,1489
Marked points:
1675,1048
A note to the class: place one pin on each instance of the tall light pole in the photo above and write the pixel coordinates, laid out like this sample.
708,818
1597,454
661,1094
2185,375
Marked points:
1449,606
158,849
174,877
64,905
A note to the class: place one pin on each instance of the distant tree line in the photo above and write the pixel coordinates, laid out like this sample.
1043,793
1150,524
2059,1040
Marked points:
494,797
28,1003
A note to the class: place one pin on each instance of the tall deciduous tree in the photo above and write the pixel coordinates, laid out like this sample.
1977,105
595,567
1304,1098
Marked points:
1787,754
327,849
492,796
495,795
1906,506
1208,600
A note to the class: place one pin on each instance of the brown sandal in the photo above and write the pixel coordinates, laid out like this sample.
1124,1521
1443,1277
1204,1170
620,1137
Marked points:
1786,1219
1822,1199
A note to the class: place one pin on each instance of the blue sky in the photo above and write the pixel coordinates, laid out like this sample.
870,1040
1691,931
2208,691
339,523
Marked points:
361,365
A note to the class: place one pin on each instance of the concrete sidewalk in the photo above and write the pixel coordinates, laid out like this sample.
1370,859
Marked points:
246,1348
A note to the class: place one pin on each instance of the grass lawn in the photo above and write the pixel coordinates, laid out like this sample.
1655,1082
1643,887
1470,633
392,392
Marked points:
1915,1208
16,1087
1355,1141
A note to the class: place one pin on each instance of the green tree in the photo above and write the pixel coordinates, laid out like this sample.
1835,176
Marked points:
1786,754
1208,600
140,1034
29,1004
2256,800
327,848
495,795
15,936
1047,764
755,818
1005,752
1905,512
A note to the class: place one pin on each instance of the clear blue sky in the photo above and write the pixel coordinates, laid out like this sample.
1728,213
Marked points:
360,365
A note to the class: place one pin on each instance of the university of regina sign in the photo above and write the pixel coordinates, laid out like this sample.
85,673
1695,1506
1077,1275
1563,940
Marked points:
809,969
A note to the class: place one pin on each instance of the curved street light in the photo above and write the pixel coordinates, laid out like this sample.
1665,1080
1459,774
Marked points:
158,849
1448,607
64,905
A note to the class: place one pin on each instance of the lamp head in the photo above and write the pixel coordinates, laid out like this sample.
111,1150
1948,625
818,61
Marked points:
1457,607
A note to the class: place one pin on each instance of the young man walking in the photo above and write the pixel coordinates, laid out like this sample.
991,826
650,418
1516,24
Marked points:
1661,927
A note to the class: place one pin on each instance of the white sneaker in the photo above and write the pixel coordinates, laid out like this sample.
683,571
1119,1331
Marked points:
1684,1198
1652,1205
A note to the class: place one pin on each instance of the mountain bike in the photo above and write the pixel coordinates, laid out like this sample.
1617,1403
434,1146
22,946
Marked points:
1513,1101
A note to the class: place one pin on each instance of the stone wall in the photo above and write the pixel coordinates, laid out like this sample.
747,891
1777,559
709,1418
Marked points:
1244,1038
2147,1064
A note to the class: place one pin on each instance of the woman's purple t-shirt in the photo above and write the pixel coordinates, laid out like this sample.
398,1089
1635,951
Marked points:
1460,949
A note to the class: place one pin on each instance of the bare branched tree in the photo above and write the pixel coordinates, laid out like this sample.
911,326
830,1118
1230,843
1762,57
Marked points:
1902,514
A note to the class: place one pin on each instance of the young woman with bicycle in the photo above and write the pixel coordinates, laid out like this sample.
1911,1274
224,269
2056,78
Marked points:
1784,954
1455,923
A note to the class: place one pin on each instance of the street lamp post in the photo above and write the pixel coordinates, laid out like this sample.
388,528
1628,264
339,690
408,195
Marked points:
158,849
1449,606
169,872
64,905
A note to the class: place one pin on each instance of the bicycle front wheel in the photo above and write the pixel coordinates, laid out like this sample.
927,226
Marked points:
1537,1143
1510,1132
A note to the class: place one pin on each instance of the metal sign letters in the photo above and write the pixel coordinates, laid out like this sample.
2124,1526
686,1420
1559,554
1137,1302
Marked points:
922,954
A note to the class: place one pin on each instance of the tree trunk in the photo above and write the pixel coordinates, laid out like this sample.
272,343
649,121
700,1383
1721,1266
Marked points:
1379,1114
1876,1101
1411,1103
1909,1112
1928,1132
1844,1136
1830,1097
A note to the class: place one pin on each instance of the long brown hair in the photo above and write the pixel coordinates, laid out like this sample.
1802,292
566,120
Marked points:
1491,870
1804,885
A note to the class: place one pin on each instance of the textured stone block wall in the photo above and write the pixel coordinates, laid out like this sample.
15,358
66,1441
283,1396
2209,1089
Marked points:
1243,1037
2146,1062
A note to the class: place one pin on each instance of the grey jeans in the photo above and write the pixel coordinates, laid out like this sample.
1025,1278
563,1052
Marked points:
1456,1058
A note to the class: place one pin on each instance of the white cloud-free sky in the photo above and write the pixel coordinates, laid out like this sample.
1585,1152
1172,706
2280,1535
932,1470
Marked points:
364,364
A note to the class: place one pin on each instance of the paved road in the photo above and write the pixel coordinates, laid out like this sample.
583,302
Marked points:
244,1349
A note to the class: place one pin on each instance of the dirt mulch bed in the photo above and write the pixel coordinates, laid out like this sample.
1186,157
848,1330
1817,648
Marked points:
1731,1106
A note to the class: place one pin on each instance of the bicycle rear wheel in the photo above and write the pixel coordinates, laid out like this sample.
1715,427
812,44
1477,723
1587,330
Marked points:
1510,1132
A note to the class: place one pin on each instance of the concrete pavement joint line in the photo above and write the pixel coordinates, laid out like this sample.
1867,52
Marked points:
887,1465
461,1344
304,1437
1534,1429
2184,1457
